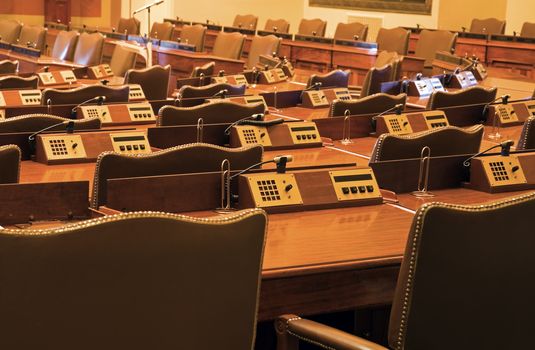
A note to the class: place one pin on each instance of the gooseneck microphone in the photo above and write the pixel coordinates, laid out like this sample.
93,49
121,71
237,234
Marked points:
504,98
280,161
221,93
398,108
505,150
316,86
99,99
254,117
69,127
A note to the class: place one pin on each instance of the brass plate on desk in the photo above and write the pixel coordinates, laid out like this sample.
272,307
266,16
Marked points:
101,112
64,147
355,184
506,113
304,132
253,135
435,119
141,112
271,190
499,170
136,93
130,143
397,124
30,97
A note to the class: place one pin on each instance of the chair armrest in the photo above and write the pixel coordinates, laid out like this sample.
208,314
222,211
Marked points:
291,328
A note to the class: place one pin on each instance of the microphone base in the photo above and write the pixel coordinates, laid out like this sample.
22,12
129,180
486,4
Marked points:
224,210
495,136
422,194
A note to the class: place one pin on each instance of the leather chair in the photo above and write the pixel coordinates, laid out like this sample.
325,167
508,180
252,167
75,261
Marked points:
262,45
20,83
9,67
470,96
129,26
134,281
212,113
81,94
185,159
462,283
394,39
122,60
210,90
10,164
9,30
229,45
193,35
206,70
277,26
351,31
373,104
163,30
528,30
64,45
36,122
374,78
35,36
449,140
153,80
527,136
487,26
88,50
335,78
431,41
313,27
245,21
393,58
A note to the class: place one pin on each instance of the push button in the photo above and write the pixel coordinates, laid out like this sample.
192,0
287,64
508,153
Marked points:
128,147
354,189
345,190
142,147
362,189
369,188
136,147
122,148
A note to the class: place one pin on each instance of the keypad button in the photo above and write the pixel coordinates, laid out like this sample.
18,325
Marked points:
345,190
354,189
369,188
362,189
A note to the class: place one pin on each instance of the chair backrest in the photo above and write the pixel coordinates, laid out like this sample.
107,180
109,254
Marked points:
431,41
245,21
472,95
128,26
372,104
162,30
528,30
527,136
374,78
36,122
193,35
135,280
394,39
20,83
446,141
154,81
33,35
10,30
262,45
10,164
487,26
190,158
210,90
89,49
447,283
277,25
351,31
9,67
64,45
314,27
212,113
228,45
393,58
122,60
335,78
206,70
84,93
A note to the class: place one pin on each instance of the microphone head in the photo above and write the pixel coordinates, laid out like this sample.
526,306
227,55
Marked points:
288,158
257,116
507,143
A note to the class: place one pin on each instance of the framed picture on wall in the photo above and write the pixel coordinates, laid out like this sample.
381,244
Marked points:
421,7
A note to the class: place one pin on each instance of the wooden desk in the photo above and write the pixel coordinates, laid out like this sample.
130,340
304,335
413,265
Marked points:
29,64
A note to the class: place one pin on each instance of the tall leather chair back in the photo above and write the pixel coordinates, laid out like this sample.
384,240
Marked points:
206,70
228,45
447,281
469,96
193,35
129,26
245,21
20,83
163,30
393,58
277,25
10,30
206,91
446,141
431,41
528,30
335,78
374,78
134,281
88,51
315,27
64,45
35,36
154,81
36,122
351,31
394,39
190,158
487,26
372,104
81,94
211,113
122,60
527,136
262,45
10,164
9,67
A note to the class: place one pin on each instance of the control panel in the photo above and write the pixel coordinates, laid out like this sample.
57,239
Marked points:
463,80
304,133
117,114
407,123
269,190
30,97
130,143
60,147
249,100
238,79
250,135
99,72
496,173
57,77
425,87
271,76
20,97
136,93
397,124
435,119
354,184
323,98
510,114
